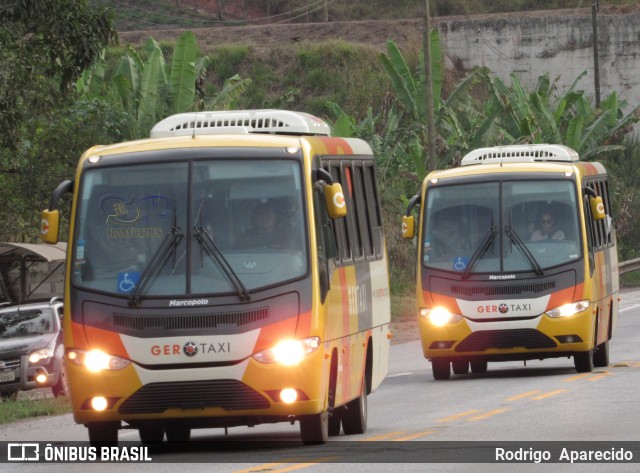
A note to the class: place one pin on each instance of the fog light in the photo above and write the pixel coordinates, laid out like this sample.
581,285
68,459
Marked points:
569,339
288,395
41,378
99,403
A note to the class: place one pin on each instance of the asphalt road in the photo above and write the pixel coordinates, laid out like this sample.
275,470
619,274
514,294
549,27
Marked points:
411,412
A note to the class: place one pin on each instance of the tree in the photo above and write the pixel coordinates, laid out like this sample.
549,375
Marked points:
44,47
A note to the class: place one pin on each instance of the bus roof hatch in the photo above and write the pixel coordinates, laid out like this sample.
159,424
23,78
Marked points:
520,154
241,122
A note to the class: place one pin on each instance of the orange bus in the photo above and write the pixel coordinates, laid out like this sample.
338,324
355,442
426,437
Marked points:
218,276
517,260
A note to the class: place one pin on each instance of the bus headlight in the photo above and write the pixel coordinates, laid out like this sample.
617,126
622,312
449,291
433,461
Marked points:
439,316
96,360
568,310
288,352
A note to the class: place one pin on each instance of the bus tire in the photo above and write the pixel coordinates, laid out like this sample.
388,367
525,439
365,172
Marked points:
178,433
151,433
460,366
354,417
335,422
441,368
314,428
479,367
601,355
103,433
583,361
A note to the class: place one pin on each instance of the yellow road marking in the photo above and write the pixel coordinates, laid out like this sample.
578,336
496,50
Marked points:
599,376
272,467
521,396
415,436
486,415
383,436
299,466
549,394
265,467
576,377
458,416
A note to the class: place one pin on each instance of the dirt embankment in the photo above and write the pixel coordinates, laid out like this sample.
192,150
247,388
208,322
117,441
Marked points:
405,32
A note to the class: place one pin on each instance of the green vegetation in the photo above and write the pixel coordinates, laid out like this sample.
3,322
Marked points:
363,93
11,411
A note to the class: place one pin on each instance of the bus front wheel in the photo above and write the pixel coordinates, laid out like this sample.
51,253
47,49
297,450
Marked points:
460,366
314,429
178,433
103,433
151,433
441,368
479,367
583,361
601,355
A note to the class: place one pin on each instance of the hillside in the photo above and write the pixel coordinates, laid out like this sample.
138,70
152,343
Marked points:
373,33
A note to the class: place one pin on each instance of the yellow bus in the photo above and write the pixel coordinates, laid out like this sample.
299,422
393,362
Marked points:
516,260
218,276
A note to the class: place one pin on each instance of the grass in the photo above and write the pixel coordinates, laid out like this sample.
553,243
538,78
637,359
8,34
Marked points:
11,411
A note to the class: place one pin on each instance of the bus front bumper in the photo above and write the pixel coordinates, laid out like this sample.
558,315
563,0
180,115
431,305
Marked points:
534,338
246,393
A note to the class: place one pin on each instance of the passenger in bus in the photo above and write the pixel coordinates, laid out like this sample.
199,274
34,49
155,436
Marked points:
547,229
266,230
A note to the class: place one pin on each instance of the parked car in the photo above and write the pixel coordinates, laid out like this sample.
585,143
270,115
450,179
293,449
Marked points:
31,348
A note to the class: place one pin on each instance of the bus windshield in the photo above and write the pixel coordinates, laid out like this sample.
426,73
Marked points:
501,227
202,227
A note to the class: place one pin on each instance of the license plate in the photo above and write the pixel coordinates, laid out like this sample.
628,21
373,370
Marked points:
8,376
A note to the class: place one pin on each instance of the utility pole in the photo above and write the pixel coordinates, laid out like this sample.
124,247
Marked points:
596,66
430,159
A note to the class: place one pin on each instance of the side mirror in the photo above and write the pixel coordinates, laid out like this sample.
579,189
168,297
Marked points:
408,226
50,218
49,226
334,200
408,220
597,208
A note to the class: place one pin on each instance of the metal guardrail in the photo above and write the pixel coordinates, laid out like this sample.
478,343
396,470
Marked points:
629,266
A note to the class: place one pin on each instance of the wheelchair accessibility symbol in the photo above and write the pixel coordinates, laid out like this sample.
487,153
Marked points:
460,263
127,281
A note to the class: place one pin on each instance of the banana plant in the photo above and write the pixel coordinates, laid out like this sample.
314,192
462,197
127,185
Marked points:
411,90
183,75
539,117
149,90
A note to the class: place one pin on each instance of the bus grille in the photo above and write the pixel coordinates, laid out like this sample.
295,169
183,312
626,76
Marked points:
517,338
224,393
189,322
514,290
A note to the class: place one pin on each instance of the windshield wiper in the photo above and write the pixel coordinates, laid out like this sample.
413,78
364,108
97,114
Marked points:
203,237
159,258
515,238
491,234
